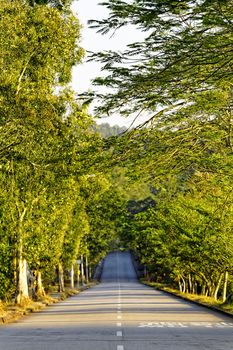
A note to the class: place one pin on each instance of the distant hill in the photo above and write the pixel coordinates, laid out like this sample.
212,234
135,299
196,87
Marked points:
106,130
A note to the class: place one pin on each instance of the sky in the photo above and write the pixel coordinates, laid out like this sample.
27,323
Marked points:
92,41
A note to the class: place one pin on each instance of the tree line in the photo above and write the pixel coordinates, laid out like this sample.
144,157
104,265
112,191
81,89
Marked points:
53,193
180,77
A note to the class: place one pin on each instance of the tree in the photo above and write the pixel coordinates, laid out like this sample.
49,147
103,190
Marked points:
185,51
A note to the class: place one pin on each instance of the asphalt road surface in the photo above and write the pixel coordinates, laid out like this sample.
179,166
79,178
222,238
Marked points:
120,314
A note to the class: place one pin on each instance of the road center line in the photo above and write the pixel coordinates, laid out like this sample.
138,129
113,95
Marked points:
119,324
119,334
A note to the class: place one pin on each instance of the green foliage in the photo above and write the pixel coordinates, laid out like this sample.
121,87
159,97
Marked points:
6,273
187,234
186,50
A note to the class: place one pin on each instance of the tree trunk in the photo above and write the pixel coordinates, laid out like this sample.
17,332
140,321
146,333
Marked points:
190,283
82,271
90,272
218,286
209,289
194,291
203,289
183,285
39,289
180,285
22,295
224,293
72,277
78,275
61,278
87,272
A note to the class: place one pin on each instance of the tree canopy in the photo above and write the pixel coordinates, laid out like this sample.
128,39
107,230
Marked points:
186,52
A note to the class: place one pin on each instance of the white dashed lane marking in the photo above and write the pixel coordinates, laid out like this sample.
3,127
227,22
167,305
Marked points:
120,347
119,334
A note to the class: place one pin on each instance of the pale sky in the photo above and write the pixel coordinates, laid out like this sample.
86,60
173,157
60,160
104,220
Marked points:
91,41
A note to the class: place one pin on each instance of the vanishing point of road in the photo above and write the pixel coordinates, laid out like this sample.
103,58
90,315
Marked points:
120,314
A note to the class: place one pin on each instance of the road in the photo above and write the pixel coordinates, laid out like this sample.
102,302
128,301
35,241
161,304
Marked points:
120,314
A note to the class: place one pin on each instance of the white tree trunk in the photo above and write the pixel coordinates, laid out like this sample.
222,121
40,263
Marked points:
78,276
61,278
87,272
82,271
183,285
22,295
224,293
72,277
217,287
190,283
180,285
39,285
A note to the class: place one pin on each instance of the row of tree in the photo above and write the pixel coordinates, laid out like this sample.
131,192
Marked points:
53,199
184,236
180,76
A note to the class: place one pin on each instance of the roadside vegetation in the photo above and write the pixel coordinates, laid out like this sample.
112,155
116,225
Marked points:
164,189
